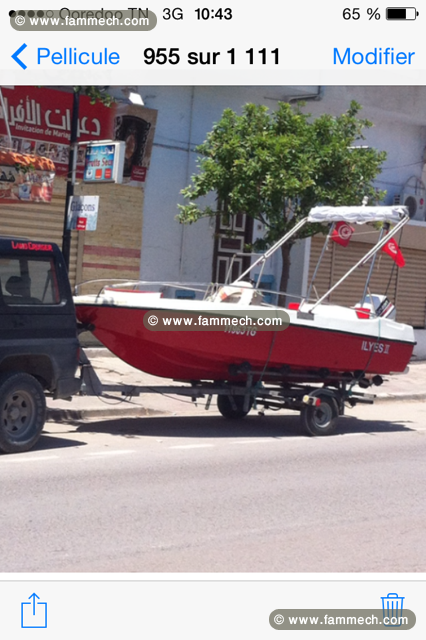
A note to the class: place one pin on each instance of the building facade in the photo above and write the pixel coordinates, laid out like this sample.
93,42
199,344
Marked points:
171,251
38,120
138,235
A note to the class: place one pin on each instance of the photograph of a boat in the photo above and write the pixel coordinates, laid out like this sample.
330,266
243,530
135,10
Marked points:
319,365
323,341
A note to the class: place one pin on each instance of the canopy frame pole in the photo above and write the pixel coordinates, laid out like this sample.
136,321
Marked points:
260,275
324,249
274,247
373,262
364,259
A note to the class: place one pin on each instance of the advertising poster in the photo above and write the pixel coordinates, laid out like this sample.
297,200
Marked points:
24,178
40,124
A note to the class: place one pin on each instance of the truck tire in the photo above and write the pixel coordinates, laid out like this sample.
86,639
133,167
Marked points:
22,412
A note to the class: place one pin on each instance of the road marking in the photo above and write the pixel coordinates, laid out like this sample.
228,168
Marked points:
260,440
353,434
32,459
192,446
111,453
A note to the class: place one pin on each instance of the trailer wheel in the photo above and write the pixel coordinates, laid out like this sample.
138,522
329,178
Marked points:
321,420
227,410
22,412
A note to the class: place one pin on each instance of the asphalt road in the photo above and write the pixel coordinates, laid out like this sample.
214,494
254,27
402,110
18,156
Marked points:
203,494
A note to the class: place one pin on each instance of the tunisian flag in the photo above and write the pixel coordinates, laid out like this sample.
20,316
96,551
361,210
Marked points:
392,249
342,233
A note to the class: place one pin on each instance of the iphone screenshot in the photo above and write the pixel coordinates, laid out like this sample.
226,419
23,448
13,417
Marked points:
212,320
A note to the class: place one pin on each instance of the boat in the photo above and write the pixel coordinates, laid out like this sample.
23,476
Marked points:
323,342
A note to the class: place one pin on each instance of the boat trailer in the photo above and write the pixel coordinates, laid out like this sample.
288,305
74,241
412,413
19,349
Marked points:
319,397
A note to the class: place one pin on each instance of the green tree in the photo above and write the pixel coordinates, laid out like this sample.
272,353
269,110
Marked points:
276,166
96,94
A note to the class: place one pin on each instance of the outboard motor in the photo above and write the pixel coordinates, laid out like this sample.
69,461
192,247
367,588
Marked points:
377,305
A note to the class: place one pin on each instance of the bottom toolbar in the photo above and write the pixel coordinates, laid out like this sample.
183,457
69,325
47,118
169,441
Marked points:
238,607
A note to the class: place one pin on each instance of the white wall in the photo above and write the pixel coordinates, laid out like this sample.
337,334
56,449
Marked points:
399,118
171,251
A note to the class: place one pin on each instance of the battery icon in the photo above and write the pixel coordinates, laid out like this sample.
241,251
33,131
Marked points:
401,13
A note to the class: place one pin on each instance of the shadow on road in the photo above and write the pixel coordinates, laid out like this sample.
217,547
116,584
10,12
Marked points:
50,441
252,426
53,441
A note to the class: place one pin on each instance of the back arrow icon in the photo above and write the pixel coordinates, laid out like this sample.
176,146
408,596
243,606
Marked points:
16,54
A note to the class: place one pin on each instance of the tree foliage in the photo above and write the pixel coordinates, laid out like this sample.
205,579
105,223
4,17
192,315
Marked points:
96,94
276,166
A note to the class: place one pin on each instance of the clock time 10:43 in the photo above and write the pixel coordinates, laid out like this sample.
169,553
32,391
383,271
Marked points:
211,14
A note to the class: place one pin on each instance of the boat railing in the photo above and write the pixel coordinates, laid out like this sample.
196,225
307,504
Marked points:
100,286
211,290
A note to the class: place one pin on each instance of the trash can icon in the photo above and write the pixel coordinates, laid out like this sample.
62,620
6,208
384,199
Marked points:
392,610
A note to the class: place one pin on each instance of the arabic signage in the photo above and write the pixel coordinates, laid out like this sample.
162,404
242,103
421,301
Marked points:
25,178
104,162
83,213
40,124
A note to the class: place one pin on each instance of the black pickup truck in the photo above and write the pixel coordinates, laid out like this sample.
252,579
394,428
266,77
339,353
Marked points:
39,347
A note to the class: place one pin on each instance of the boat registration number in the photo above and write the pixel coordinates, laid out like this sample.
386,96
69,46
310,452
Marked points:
241,332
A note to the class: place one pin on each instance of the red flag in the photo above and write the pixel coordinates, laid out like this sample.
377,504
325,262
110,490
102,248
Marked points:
342,233
392,249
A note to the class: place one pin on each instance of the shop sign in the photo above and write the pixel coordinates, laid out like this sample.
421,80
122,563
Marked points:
104,162
83,213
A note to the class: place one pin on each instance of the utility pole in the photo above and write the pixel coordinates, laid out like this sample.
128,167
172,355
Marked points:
72,163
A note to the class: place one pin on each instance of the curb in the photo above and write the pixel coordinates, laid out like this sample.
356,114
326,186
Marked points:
98,352
388,397
77,415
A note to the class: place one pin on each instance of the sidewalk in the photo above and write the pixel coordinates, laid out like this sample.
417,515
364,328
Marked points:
112,370
411,386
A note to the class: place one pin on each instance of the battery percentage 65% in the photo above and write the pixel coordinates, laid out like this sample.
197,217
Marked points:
355,14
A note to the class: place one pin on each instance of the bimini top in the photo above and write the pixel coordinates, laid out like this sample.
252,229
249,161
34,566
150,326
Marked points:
358,215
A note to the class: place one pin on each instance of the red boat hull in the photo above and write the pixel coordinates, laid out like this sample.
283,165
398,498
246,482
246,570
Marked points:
208,355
